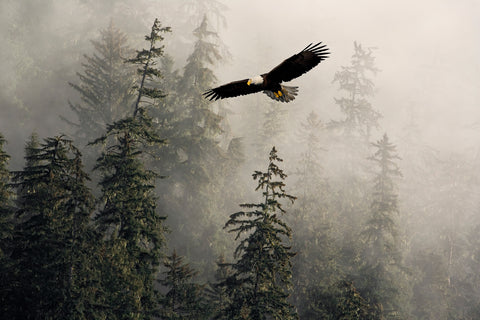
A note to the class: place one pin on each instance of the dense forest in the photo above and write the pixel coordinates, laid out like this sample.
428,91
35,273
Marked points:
150,202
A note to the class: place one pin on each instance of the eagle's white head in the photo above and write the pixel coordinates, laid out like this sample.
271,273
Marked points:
257,80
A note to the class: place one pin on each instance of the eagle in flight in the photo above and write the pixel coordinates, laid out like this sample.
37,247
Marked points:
270,83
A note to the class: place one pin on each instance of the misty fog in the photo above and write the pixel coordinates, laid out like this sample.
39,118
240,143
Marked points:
425,90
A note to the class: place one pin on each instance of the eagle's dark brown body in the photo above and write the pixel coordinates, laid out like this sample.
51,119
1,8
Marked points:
270,83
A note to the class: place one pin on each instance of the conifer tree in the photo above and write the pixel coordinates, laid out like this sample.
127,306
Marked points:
128,220
197,164
315,267
352,148
53,238
360,117
105,86
6,228
6,206
183,299
217,292
382,270
262,274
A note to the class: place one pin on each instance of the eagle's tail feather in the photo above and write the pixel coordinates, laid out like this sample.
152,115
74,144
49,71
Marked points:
286,94
289,93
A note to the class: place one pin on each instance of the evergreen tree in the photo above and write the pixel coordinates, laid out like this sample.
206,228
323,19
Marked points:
382,272
105,86
217,291
197,164
262,274
350,151
129,222
6,228
341,301
360,117
52,277
183,299
6,206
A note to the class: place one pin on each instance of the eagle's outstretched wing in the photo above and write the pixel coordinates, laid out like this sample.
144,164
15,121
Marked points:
299,63
232,89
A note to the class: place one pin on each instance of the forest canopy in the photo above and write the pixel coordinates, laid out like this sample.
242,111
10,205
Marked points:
125,194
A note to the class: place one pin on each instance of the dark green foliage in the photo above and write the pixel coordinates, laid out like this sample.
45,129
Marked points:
6,205
183,298
53,241
105,86
382,274
340,301
6,228
195,162
129,222
262,274
218,293
146,59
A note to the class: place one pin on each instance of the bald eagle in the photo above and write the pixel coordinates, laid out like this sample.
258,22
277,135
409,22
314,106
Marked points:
270,83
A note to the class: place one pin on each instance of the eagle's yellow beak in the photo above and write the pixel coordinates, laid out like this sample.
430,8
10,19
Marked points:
249,82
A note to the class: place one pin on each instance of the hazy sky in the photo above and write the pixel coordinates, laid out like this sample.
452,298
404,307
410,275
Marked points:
428,53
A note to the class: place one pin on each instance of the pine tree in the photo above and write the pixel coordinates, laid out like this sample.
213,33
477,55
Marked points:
315,269
360,117
196,162
6,229
184,298
51,255
132,227
351,149
218,295
262,274
382,270
6,206
350,304
105,86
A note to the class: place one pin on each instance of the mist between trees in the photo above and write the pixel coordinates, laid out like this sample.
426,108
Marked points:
155,203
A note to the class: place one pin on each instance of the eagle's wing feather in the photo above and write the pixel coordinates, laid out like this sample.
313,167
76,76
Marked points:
299,63
232,89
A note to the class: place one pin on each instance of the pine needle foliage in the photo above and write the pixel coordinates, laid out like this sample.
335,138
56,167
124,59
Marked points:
184,298
52,278
146,60
6,227
262,273
129,221
105,86
382,274
6,206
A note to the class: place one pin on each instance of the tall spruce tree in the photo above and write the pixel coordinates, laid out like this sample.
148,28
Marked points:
52,256
261,280
6,205
315,268
381,279
6,229
183,298
197,162
352,148
218,294
359,115
128,220
105,88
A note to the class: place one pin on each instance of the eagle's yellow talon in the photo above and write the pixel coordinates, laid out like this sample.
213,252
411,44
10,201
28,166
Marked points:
280,93
276,94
